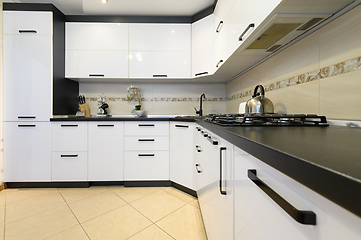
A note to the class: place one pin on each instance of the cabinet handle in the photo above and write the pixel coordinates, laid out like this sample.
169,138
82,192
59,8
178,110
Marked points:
221,170
214,142
182,126
245,31
70,155
146,140
198,129
160,75
27,31
220,24
145,125
96,75
199,149
26,125
198,167
69,125
146,155
204,134
304,217
220,61
202,73
105,125
24,117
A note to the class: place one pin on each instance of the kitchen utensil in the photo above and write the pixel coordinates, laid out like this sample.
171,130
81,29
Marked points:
259,103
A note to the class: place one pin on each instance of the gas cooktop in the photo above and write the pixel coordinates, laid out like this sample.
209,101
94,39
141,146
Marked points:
269,119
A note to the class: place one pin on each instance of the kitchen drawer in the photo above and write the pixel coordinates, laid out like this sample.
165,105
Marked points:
146,128
69,136
146,165
16,21
69,166
146,143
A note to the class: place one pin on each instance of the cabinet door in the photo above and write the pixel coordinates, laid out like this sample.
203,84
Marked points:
166,64
96,36
220,44
105,155
159,37
27,77
97,64
146,143
202,47
27,22
181,154
69,136
69,166
146,128
27,152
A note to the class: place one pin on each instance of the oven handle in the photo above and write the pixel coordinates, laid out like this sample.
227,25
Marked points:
221,149
301,216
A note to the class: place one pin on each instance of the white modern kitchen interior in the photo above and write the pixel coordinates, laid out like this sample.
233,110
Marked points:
112,96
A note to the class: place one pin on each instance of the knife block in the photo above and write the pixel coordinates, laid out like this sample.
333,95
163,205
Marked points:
85,108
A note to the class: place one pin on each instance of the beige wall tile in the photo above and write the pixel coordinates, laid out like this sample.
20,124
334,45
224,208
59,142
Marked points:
340,96
172,108
233,105
340,40
210,107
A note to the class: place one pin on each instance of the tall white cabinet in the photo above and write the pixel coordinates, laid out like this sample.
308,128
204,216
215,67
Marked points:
28,78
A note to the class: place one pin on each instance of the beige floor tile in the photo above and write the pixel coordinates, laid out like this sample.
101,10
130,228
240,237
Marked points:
121,223
2,215
34,205
74,233
158,205
42,225
151,233
75,194
2,232
179,194
130,194
14,195
185,223
2,197
96,205
195,203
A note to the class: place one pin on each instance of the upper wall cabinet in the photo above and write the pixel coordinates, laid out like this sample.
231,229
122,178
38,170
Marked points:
16,22
159,50
97,50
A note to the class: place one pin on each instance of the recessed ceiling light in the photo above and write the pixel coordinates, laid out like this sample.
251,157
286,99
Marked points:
104,1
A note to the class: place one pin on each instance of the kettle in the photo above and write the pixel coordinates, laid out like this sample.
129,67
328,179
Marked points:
259,103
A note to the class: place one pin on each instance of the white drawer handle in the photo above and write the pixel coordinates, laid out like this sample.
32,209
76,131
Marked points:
27,31
146,155
25,117
146,140
69,125
145,125
69,155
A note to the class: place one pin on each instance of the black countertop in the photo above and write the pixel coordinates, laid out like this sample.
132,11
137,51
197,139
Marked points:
325,159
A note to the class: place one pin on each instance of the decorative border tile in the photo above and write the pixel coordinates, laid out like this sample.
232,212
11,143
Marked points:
119,99
330,71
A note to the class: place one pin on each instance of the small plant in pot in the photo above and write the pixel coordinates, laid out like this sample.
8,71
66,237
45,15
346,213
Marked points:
134,92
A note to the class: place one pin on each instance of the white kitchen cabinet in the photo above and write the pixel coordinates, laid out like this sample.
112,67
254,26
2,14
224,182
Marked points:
69,167
146,128
27,22
182,165
203,34
159,64
96,64
257,216
146,143
27,77
27,152
69,136
105,152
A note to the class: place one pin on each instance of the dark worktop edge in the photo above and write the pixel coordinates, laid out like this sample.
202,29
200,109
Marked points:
120,119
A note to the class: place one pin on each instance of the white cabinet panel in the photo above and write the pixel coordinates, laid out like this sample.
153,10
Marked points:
146,165
220,44
27,77
97,36
146,143
27,152
223,8
98,64
27,22
159,37
182,165
105,155
69,136
145,128
151,64
69,166
202,47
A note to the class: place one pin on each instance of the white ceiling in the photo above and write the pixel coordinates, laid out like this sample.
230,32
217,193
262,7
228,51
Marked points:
127,7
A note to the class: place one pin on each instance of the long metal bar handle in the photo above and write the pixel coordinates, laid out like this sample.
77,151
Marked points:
214,142
221,170
204,134
220,24
146,140
96,75
245,31
198,128
198,167
220,61
199,149
27,31
182,126
301,216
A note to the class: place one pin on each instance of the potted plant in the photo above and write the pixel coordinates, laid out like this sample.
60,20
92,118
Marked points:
133,92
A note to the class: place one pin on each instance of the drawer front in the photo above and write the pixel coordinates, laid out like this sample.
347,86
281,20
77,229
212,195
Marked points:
69,166
69,136
146,165
26,22
146,143
146,128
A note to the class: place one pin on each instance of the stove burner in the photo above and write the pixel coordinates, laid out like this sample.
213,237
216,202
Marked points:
267,119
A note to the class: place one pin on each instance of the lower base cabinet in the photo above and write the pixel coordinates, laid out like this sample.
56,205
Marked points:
69,166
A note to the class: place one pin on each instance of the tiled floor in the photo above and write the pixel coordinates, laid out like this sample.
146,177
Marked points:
112,212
